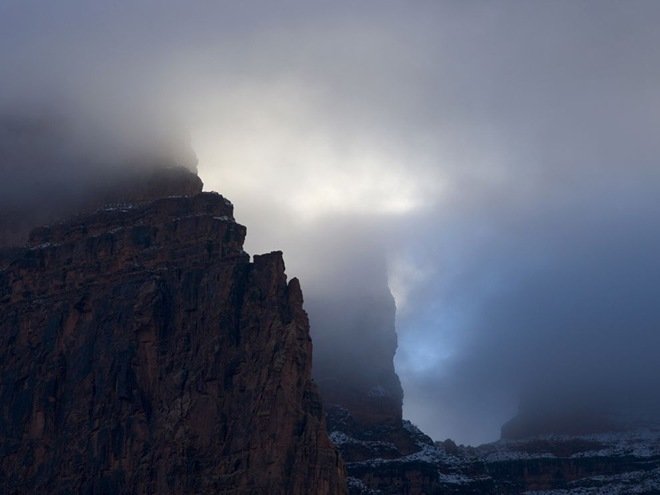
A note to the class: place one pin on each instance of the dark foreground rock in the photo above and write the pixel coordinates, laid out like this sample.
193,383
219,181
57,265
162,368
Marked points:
141,352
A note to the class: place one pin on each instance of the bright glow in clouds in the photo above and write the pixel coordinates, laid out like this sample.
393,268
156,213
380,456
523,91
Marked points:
271,143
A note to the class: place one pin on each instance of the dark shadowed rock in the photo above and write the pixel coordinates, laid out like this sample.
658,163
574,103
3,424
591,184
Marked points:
142,352
355,342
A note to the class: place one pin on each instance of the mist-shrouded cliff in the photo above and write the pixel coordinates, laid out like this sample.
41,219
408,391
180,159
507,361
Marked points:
547,449
143,352
355,342
56,165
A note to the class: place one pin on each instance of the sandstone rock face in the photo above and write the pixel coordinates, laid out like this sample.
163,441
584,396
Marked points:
143,353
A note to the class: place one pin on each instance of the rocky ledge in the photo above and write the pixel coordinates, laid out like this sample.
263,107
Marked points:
610,463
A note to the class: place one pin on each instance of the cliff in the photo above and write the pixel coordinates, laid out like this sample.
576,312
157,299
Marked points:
355,342
143,352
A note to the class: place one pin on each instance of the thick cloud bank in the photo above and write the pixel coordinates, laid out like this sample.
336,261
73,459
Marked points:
501,157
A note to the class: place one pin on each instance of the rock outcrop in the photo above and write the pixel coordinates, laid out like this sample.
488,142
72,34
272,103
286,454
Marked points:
142,352
612,463
355,342
54,164
622,462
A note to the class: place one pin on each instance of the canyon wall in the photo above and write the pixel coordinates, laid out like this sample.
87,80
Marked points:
143,352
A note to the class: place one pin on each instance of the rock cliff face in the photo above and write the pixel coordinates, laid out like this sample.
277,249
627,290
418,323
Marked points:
142,352
355,342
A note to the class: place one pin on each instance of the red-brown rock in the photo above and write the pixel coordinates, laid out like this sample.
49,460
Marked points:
142,352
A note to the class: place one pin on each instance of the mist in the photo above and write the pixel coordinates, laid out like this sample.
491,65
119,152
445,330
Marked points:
494,163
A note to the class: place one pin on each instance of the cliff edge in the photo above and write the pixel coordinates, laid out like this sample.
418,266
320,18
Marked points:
143,352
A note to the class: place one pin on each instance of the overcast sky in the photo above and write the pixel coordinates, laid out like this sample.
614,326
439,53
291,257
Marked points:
502,156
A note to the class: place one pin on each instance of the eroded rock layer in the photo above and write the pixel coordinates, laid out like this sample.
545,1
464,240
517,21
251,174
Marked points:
142,352
606,463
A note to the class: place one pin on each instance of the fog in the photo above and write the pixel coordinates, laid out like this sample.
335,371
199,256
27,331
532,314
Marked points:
494,162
